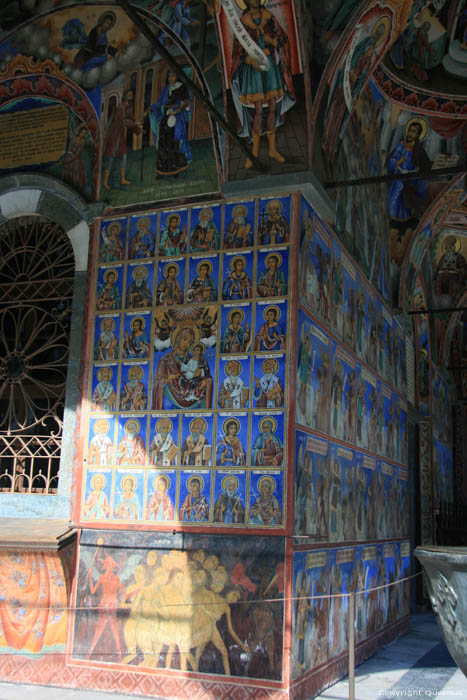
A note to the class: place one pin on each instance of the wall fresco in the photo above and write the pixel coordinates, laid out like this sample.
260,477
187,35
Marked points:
190,369
173,602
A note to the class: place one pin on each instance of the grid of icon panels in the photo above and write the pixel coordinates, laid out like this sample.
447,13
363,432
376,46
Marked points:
187,398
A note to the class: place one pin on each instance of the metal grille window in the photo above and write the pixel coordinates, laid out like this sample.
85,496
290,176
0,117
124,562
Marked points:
36,289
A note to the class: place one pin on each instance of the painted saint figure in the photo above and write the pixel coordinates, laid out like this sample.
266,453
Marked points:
195,507
131,449
111,246
136,344
272,281
268,391
128,507
237,285
228,508
267,450
173,238
163,450
230,451
108,296
202,288
160,506
134,396
143,242
273,228
139,292
106,345
169,291
196,450
101,446
236,338
239,232
103,396
205,235
271,335
266,510
233,392
97,504
115,143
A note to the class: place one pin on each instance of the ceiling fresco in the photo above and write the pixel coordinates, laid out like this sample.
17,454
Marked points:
169,100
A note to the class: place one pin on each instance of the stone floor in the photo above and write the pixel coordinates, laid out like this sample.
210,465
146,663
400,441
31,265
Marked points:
417,665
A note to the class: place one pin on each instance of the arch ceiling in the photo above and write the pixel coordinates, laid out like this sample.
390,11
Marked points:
364,89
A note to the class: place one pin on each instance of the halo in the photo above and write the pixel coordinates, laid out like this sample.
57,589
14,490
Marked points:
233,363
204,262
198,345
236,311
160,421
172,216
225,424
140,267
423,125
229,476
174,335
107,273
457,243
99,373
205,425
269,419
132,371
378,35
277,202
190,481
276,255
102,423
271,359
108,13
94,479
208,210
234,260
165,478
243,6
169,265
144,221
132,478
138,318
239,210
277,310
112,224
134,422
267,479
105,319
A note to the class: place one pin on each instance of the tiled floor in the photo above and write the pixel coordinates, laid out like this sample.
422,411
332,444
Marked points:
417,665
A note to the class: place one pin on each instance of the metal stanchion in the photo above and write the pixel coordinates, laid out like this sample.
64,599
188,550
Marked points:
352,646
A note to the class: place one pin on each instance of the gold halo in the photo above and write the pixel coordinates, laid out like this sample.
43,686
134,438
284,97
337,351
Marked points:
242,4
271,359
230,476
144,221
95,477
208,210
174,335
133,421
132,371
271,419
106,318
239,208
204,262
102,423
234,260
132,479
457,244
205,425
99,373
138,318
162,477
172,216
233,363
235,311
115,223
198,345
108,13
107,273
199,478
171,264
276,308
274,201
160,421
276,255
266,479
376,32
141,267
421,122
226,423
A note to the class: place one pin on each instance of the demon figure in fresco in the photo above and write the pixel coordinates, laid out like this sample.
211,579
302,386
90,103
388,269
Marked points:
262,97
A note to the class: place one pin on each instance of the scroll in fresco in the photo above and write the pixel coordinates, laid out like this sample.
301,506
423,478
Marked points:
252,49
33,136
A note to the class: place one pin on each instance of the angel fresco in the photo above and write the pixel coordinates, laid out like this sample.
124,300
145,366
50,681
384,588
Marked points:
95,47
74,166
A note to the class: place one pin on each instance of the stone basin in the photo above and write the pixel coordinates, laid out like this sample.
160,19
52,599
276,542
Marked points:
446,570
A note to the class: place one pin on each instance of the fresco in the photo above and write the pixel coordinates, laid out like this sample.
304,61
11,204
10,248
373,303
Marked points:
341,580
310,620
313,374
449,267
443,469
366,613
366,499
311,486
315,264
263,83
170,602
341,493
440,406
157,140
342,394
189,372
402,554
